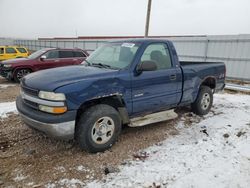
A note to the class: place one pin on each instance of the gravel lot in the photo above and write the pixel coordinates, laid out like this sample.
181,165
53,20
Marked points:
8,90
29,159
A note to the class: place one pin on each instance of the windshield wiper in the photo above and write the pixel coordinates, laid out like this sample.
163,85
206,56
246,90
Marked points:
88,63
101,65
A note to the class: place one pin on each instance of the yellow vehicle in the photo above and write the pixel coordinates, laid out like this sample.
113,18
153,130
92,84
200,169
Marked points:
11,52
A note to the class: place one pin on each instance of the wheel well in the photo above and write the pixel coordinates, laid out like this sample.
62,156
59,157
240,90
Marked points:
210,82
115,101
19,68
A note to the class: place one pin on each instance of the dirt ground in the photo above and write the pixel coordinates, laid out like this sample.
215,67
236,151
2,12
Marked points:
8,94
30,159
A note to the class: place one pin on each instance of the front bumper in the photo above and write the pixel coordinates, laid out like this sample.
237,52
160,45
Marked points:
56,126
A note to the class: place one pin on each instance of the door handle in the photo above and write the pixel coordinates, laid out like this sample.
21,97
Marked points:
173,77
56,60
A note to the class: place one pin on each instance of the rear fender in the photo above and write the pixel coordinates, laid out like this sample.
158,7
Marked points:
209,81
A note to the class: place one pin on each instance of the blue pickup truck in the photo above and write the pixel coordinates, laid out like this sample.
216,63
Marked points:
120,81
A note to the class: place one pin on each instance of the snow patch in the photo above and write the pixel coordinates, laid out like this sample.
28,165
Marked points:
82,168
60,168
7,107
211,152
244,150
72,183
19,175
4,86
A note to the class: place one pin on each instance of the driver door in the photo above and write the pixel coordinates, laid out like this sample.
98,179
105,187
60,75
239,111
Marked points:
156,90
51,60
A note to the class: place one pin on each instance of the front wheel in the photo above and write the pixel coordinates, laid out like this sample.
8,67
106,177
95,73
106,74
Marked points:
203,102
98,128
20,73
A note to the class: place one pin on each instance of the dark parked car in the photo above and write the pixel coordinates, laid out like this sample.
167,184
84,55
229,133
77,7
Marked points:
47,58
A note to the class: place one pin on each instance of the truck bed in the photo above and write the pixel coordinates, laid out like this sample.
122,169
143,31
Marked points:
194,72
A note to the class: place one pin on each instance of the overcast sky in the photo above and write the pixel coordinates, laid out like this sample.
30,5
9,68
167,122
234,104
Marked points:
68,18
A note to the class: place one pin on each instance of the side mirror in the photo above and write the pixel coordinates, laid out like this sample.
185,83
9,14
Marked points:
43,57
146,66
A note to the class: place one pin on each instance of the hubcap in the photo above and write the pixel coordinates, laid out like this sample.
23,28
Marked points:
103,130
205,101
22,73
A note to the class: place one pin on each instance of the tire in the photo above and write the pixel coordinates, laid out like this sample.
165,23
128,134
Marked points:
203,102
20,73
98,128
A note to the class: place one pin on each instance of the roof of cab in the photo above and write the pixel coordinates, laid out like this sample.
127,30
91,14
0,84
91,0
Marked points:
141,40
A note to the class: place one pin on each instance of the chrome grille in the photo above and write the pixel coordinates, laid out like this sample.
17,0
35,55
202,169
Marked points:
29,91
31,104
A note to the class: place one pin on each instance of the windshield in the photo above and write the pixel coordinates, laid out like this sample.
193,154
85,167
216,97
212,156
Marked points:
116,55
36,54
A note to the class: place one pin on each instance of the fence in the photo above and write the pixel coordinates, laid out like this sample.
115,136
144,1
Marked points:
6,41
234,50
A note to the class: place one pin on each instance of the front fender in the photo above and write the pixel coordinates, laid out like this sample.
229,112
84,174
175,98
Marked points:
81,92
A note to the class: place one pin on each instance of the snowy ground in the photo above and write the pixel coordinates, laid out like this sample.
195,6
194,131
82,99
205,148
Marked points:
7,107
4,86
210,151
214,152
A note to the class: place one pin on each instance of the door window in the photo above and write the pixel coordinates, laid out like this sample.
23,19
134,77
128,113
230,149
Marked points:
66,54
21,50
158,53
79,54
10,50
53,54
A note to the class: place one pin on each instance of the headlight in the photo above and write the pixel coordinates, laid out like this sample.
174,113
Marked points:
7,65
53,110
52,96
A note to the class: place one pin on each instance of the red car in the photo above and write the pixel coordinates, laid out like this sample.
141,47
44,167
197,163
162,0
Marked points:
15,69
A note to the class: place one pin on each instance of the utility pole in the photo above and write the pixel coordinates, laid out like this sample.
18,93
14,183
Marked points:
148,18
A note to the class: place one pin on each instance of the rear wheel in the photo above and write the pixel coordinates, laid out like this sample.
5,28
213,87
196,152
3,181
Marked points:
98,128
203,102
20,73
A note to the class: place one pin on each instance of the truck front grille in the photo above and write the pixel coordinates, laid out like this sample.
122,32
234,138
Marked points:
31,104
29,91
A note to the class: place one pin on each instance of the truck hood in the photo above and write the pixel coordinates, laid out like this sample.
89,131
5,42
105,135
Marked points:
51,79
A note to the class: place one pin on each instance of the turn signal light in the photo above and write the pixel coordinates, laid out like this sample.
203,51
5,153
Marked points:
53,110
